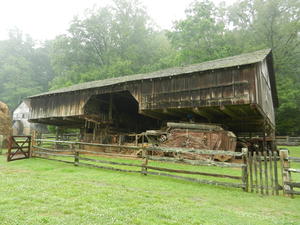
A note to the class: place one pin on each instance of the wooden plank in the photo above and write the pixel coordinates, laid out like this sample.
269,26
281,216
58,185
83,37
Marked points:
255,171
271,171
226,184
19,147
245,169
18,152
293,184
294,159
293,170
260,173
195,172
108,168
106,154
250,167
108,162
206,127
14,159
266,172
276,184
51,150
191,150
197,162
52,154
292,192
58,160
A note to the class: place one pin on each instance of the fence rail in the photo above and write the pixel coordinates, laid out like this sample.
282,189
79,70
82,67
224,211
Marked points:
83,157
287,140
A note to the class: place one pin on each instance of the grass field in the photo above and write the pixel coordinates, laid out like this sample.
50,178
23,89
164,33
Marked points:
38,191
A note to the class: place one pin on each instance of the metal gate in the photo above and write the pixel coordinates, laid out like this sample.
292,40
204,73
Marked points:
18,148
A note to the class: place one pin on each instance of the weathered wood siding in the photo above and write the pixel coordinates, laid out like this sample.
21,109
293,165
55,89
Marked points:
68,104
239,97
204,89
264,94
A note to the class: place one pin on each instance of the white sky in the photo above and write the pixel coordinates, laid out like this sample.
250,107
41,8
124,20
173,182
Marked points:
44,19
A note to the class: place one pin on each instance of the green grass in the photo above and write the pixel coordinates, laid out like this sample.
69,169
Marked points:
37,191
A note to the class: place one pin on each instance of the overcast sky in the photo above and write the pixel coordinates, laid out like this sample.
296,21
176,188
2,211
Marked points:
44,19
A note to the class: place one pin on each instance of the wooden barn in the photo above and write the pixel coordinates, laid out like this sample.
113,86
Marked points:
237,92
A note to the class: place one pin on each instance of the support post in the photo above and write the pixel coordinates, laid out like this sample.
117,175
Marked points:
286,175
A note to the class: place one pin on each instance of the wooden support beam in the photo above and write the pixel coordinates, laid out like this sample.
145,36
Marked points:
174,113
229,112
110,112
202,126
203,113
73,119
154,114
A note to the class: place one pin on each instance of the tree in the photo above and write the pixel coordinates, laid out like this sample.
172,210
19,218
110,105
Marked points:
108,42
24,69
274,24
202,35
211,32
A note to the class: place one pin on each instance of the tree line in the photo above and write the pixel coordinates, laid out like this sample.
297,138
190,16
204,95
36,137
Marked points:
122,39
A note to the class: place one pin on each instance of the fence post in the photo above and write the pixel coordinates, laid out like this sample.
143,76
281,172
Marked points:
76,158
286,176
29,146
145,157
245,169
250,167
10,145
145,163
33,142
276,173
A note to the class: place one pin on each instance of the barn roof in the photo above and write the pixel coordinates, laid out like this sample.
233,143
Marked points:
238,60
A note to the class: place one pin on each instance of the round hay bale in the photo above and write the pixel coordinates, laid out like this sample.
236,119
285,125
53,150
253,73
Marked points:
5,120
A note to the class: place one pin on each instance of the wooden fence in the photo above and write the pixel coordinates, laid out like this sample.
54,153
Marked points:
143,155
288,183
18,148
287,140
263,172
253,171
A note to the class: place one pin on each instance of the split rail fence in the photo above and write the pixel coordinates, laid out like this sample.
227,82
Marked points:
252,171
109,154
